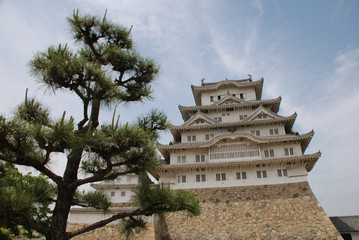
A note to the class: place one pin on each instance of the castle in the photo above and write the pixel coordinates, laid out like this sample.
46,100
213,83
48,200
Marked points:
246,165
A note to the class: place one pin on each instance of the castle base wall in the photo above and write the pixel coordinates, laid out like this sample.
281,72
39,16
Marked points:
110,231
282,211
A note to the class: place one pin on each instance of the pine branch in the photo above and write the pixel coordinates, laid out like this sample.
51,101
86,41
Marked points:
106,175
104,222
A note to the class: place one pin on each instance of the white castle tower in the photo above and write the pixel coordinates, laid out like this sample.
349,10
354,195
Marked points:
234,138
246,165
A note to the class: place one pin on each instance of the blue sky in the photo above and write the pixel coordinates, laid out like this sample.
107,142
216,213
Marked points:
306,51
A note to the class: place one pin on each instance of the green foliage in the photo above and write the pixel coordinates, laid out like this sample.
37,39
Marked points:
160,199
25,198
96,199
131,225
32,111
153,122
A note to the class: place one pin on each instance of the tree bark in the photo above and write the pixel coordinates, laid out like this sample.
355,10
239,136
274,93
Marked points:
65,195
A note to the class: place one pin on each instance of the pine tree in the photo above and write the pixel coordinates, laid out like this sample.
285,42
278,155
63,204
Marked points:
105,69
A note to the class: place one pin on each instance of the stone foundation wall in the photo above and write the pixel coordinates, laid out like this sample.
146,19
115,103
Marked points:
283,211
110,232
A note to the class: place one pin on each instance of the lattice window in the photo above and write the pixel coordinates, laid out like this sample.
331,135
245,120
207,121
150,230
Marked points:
234,151
241,175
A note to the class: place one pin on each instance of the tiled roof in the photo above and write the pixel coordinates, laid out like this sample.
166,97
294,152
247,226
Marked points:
346,224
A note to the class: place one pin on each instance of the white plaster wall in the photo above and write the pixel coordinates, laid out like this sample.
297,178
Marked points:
190,156
201,134
251,172
84,217
118,197
277,148
127,179
92,217
355,236
249,94
230,116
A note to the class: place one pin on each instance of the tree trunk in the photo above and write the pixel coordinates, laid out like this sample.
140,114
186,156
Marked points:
65,196
60,215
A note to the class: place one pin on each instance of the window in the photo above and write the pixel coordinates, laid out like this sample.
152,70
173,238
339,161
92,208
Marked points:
123,193
112,194
262,116
245,150
256,133
262,174
233,95
198,178
211,99
191,138
241,95
273,131
182,179
181,159
221,177
241,117
201,178
282,172
219,97
199,121
288,151
200,158
219,119
229,109
241,175
209,136
269,153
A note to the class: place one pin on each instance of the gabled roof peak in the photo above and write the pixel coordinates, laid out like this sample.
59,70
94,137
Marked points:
197,90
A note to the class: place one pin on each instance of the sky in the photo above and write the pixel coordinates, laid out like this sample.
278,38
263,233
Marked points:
306,51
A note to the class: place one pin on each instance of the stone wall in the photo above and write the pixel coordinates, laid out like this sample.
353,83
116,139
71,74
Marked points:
283,211
111,232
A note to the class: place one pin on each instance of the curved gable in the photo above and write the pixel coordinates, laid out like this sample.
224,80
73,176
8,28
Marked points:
198,119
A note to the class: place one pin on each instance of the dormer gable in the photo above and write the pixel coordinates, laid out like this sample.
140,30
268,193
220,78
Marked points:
199,119
228,99
262,113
